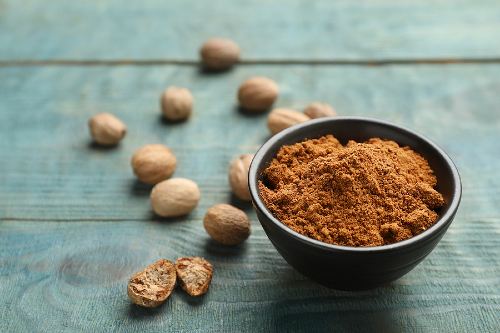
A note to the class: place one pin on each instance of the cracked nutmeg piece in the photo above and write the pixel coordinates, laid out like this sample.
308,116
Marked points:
194,274
152,286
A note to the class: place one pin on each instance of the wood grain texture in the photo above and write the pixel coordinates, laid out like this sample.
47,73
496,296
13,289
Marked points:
73,277
49,170
74,223
283,29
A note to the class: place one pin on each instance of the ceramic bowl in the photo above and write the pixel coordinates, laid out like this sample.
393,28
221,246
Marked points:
356,268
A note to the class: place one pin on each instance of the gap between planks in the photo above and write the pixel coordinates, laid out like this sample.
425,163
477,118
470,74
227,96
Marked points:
122,219
292,62
78,219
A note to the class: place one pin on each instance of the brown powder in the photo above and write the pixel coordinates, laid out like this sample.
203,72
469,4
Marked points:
361,194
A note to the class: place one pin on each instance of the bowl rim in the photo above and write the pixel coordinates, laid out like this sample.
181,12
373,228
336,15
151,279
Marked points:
441,223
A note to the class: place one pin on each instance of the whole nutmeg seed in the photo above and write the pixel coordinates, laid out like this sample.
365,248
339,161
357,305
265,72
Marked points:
106,129
153,163
153,285
175,197
319,110
176,103
238,176
279,119
219,53
257,94
227,224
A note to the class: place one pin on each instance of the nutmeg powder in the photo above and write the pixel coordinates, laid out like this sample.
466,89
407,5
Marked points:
360,194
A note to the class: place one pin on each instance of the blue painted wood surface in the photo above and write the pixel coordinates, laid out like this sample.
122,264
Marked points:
278,29
49,171
74,223
72,276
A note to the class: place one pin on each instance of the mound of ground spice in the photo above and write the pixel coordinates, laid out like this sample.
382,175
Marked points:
361,194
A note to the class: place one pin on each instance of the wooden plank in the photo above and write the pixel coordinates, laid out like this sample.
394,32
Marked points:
72,276
49,171
290,29
59,276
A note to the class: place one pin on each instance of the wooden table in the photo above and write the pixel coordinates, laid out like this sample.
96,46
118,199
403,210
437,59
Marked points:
75,224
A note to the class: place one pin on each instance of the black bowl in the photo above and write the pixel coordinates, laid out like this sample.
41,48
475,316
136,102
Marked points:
355,268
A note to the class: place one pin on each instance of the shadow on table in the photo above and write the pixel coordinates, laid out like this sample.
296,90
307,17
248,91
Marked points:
241,204
339,311
138,312
139,189
250,114
92,145
217,249
191,300
164,121
152,217
203,71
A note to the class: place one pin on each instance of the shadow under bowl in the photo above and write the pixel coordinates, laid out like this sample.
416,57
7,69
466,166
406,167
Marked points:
355,268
